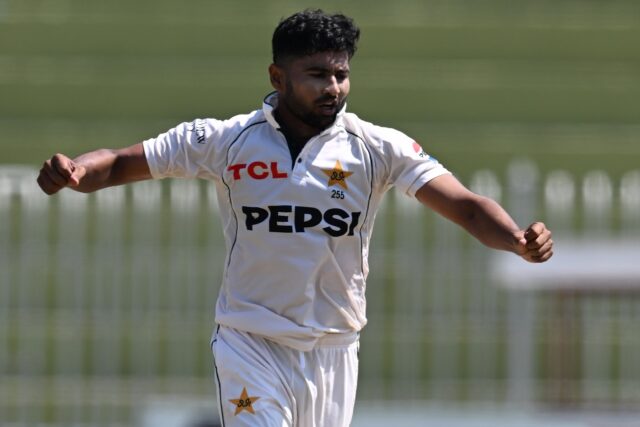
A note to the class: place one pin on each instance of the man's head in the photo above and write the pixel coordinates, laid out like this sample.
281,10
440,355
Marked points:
310,70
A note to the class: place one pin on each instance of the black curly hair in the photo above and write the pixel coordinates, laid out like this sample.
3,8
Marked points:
312,31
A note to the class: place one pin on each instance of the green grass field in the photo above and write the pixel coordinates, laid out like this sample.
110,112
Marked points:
555,81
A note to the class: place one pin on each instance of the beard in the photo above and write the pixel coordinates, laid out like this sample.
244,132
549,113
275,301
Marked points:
306,114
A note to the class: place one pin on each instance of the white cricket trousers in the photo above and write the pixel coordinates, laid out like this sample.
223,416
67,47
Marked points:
265,384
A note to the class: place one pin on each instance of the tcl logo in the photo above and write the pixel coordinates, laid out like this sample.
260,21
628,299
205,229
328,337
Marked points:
257,170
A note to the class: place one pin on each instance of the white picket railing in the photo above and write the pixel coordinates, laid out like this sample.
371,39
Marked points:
106,300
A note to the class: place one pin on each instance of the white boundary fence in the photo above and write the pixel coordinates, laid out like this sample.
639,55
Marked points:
107,300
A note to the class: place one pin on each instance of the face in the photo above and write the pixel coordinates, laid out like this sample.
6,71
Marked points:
312,89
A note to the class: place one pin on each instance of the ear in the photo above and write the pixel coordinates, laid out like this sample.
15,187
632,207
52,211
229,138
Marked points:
276,76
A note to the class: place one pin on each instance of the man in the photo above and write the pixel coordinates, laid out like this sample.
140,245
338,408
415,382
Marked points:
298,184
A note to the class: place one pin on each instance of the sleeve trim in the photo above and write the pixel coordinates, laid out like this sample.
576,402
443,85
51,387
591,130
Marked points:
424,178
151,160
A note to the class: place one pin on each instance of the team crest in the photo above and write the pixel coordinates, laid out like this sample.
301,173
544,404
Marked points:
337,175
244,403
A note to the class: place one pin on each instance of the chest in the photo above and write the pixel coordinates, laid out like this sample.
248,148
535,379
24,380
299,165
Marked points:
329,173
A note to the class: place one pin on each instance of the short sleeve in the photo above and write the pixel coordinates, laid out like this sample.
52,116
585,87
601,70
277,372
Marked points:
187,151
409,166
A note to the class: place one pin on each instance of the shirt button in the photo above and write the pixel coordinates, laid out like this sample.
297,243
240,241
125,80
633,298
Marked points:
299,160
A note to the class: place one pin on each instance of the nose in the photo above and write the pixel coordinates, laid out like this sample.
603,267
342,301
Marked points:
332,88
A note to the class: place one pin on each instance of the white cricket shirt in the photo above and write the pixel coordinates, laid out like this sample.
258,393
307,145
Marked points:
297,233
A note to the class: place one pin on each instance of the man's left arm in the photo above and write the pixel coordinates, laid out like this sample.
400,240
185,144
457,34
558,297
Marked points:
485,219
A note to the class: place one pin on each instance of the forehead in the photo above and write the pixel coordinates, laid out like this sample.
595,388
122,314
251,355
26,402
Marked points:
323,60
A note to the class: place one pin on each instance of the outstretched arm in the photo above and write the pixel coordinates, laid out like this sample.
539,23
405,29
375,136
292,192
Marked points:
485,219
94,170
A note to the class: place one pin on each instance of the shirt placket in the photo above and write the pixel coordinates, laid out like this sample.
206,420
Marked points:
303,162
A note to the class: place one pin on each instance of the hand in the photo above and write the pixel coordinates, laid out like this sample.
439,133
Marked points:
535,244
59,172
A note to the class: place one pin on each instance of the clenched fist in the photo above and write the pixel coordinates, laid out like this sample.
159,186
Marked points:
59,172
535,244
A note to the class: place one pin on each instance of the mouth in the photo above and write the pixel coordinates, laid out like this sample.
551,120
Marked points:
328,108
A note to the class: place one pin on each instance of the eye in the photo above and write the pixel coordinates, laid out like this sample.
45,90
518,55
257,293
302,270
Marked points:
342,75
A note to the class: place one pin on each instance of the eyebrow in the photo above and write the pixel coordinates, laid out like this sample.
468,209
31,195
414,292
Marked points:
325,69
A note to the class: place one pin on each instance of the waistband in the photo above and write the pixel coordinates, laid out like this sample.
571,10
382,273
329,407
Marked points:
338,339
329,339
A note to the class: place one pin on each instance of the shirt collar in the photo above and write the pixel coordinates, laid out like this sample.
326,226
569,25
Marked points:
271,102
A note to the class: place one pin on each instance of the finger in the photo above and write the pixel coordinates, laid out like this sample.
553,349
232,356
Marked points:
76,176
542,258
534,230
53,175
540,240
63,165
48,186
546,247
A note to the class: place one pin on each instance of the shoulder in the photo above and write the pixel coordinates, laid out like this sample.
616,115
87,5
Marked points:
236,123
221,131
242,121
378,137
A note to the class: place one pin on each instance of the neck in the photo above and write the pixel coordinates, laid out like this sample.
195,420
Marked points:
295,130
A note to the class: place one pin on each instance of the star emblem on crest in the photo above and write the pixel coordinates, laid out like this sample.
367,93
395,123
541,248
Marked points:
245,402
337,175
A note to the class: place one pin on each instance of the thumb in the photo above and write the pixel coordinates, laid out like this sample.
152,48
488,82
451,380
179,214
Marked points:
78,173
520,243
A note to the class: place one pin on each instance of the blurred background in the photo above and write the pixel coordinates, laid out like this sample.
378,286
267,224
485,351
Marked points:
106,300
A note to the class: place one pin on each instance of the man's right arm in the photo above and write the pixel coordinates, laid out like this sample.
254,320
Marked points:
94,170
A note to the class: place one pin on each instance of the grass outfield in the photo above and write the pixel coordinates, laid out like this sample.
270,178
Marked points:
555,81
